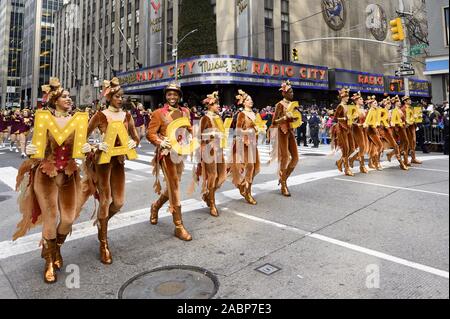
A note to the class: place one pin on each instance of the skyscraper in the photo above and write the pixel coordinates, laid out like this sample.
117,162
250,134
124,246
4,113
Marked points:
11,33
37,47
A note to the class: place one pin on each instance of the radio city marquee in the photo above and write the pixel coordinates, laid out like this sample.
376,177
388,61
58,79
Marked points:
227,70
357,81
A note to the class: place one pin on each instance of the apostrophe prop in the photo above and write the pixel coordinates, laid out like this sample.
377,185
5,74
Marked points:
45,122
182,122
293,108
352,114
116,129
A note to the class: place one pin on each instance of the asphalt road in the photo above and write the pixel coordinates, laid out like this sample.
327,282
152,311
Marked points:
381,235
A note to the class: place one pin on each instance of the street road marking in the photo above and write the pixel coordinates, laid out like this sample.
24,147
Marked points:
357,248
8,176
393,187
135,166
81,230
429,169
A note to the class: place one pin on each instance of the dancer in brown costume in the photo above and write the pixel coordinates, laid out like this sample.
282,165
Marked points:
212,167
399,130
411,129
387,135
375,144
286,141
342,133
107,181
49,186
172,169
246,163
359,134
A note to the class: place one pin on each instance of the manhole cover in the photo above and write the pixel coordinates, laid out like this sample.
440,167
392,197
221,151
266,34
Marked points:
172,282
4,198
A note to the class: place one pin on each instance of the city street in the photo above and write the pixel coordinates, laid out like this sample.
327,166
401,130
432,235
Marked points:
381,235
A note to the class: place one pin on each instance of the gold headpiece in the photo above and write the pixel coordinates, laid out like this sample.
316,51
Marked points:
173,87
211,98
52,91
344,93
286,86
356,96
395,99
406,98
110,88
371,99
241,97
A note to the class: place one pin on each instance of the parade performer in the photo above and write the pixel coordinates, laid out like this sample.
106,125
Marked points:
138,113
411,130
49,187
107,181
212,167
286,142
25,128
359,134
172,169
399,130
342,133
376,146
245,160
4,123
387,135
16,125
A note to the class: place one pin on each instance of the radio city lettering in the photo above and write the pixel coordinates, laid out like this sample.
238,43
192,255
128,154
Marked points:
237,67
289,71
370,80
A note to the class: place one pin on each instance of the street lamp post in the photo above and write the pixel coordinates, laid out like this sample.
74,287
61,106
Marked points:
175,52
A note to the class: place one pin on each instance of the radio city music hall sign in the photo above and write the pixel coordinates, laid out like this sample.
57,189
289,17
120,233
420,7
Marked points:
228,66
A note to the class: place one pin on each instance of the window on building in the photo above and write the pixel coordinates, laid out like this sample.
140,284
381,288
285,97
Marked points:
285,30
269,29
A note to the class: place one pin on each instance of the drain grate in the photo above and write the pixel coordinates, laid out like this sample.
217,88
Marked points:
268,269
4,198
171,282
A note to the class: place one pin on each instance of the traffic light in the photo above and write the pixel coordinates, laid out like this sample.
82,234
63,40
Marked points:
179,74
398,34
294,55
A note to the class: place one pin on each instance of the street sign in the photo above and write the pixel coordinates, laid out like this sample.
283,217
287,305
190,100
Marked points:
406,66
405,73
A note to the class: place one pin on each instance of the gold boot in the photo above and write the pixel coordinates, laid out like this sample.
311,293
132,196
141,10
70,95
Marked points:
155,209
339,165
205,198
242,190
284,189
105,254
414,159
363,169
180,231
212,203
389,156
48,253
371,163
248,195
59,263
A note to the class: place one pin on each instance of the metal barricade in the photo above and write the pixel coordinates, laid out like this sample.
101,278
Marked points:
433,135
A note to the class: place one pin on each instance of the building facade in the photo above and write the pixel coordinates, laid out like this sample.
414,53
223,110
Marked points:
437,62
38,36
252,35
11,37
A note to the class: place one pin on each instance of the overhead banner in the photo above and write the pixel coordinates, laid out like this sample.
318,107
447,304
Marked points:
357,81
216,69
155,12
